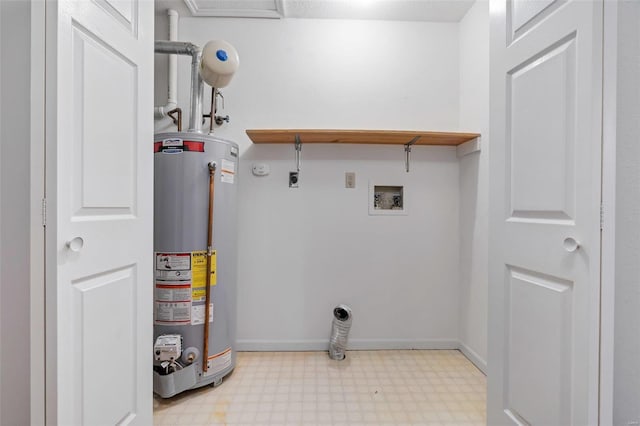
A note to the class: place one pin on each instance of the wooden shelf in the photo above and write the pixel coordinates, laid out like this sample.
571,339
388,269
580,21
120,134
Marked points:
381,137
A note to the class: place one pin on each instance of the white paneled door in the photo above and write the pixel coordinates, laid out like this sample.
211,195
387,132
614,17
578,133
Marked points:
99,180
546,109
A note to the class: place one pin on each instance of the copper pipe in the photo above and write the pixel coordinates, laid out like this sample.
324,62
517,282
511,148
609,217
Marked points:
207,293
177,121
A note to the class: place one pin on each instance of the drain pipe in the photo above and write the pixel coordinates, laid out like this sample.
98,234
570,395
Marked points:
190,49
172,98
340,332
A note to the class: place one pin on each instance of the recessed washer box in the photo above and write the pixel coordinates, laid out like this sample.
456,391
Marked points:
387,199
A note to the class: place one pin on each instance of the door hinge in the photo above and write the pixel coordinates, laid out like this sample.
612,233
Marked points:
44,212
601,217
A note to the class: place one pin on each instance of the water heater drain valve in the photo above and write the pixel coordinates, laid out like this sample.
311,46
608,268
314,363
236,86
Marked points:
168,347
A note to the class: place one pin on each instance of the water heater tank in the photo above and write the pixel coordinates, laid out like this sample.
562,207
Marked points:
182,185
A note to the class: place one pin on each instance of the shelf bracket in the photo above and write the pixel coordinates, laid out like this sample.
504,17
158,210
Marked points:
298,145
407,152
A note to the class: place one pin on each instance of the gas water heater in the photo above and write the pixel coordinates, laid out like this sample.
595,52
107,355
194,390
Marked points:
195,191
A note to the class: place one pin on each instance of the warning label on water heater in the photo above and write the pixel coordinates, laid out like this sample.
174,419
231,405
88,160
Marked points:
199,274
173,266
173,313
218,362
228,171
173,292
197,314
180,287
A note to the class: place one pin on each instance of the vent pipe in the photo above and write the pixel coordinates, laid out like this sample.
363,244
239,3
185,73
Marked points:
172,94
340,332
190,49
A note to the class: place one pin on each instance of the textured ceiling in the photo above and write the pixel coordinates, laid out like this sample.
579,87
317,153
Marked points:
394,10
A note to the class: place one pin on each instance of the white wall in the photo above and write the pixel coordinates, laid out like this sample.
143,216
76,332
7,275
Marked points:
302,251
1,239
626,410
331,73
474,177
14,208
305,251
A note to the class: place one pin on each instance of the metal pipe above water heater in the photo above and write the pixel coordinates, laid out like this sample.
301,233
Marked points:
172,92
197,85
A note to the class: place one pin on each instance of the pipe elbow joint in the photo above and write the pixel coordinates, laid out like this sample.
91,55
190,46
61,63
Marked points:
162,111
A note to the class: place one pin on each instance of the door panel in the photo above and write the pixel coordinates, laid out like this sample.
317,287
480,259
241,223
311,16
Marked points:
99,192
523,15
99,152
99,329
125,12
546,104
541,161
525,11
538,358
124,9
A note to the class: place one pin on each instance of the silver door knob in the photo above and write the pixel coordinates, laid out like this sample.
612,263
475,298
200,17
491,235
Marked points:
75,244
570,244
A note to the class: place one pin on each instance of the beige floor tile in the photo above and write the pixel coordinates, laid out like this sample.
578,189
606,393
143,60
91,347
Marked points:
307,388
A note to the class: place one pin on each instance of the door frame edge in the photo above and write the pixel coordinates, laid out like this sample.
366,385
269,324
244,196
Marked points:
608,212
37,231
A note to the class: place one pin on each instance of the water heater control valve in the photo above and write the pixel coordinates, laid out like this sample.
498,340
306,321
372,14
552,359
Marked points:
168,347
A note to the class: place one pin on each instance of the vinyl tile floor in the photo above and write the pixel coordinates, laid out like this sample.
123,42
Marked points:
394,387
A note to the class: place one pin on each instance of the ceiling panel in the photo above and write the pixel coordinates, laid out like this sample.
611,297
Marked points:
235,8
394,10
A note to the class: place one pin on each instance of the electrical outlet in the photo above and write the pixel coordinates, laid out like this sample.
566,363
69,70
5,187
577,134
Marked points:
293,179
349,180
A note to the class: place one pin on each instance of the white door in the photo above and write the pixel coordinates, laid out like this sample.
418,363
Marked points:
546,106
99,186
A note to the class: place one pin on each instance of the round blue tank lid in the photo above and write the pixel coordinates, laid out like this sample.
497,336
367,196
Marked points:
222,55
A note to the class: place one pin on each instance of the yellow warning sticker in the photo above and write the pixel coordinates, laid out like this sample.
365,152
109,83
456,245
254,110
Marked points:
199,274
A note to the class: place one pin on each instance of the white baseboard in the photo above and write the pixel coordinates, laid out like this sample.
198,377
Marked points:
250,345
282,345
354,344
473,357
382,344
